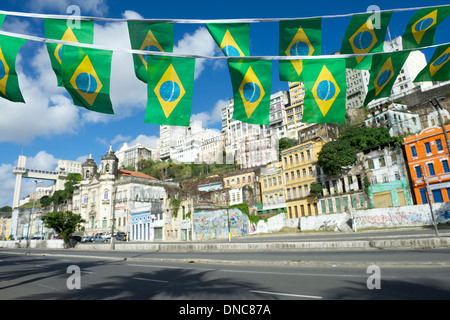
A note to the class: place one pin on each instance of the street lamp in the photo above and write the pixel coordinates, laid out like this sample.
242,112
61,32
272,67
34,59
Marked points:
29,216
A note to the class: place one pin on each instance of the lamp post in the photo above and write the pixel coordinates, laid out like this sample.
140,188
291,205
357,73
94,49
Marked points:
29,216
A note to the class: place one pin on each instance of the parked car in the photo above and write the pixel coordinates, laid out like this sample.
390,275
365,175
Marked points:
106,235
86,239
36,238
121,236
100,239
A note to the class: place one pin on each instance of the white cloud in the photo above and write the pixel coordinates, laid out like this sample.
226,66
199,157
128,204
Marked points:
213,117
198,43
47,110
42,160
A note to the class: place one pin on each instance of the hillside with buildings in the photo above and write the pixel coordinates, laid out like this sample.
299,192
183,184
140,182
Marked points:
153,193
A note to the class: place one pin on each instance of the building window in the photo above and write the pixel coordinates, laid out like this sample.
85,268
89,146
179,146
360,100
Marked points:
431,169
413,152
105,195
439,145
445,166
418,172
427,147
381,162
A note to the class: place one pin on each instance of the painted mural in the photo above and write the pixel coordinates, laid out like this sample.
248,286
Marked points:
213,224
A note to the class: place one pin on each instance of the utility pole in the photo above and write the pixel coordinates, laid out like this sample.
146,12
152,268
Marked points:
430,197
438,108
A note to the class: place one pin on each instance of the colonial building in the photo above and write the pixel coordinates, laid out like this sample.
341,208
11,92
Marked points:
133,200
428,160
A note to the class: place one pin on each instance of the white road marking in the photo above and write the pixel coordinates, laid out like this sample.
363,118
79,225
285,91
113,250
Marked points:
287,294
151,280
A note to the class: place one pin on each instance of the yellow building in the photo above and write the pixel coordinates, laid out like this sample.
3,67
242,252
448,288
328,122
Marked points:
299,171
272,189
294,111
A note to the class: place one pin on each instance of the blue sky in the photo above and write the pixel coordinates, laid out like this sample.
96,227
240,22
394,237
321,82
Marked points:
49,127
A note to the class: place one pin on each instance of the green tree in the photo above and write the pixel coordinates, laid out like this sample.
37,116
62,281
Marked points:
315,189
335,155
46,201
71,181
64,223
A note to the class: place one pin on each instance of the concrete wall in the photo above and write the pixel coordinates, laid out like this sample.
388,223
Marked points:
406,216
213,224
34,244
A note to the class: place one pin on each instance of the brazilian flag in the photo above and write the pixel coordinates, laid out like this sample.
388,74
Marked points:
438,69
170,89
421,28
86,74
251,81
149,36
60,29
2,18
325,91
365,35
233,38
9,82
301,37
384,72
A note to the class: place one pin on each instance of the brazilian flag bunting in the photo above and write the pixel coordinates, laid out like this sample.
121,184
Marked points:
438,69
86,76
251,81
149,36
233,38
325,91
365,35
384,72
421,29
301,37
9,82
60,29
170,90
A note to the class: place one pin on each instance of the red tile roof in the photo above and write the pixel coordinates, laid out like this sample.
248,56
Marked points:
129,173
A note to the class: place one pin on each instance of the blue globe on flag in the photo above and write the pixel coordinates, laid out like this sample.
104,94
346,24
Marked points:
252,92
326,90
86,83
169,91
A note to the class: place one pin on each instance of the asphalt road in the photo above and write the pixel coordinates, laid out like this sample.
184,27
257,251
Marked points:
400,275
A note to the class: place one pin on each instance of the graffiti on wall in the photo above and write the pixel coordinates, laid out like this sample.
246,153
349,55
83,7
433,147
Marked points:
213,224
394,218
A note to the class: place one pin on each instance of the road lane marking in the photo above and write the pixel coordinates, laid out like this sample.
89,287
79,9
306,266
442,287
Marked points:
287,294
151,280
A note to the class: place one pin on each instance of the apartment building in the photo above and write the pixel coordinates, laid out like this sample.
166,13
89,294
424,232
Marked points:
299,171
428,160
272,188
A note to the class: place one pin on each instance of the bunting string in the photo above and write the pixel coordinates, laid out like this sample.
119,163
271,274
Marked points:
196,56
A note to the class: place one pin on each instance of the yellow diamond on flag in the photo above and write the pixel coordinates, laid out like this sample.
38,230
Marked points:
229,46
420,27
4,73
86,81
440,61
325,90
384,76
363,39
149,44
68,36
299,46
169,90
251,91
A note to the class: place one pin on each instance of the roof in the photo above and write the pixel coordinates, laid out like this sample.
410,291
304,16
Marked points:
128,173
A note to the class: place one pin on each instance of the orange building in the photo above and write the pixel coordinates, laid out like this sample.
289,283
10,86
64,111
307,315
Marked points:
427,155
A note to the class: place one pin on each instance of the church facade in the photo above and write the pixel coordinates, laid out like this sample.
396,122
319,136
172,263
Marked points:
134,201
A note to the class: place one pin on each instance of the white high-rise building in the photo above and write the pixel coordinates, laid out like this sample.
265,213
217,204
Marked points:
404,83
